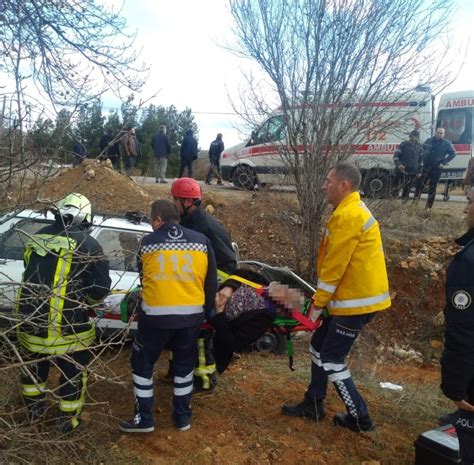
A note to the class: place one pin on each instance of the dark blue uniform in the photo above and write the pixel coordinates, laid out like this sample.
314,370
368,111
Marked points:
457,361
179,280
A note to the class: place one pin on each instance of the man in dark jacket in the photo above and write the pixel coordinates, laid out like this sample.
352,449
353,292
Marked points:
65,269
110,149
179,282
188,153
438,152
187,194
408,159
161,149
79,152
457,361
215,150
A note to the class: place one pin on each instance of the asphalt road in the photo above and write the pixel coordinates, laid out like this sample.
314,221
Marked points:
227,186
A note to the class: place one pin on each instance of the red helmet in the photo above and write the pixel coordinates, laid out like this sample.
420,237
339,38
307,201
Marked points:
186,188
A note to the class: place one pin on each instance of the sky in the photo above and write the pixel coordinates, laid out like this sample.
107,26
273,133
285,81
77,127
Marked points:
184,42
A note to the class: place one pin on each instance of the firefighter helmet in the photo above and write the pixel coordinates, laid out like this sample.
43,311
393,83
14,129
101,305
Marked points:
186,188
74,209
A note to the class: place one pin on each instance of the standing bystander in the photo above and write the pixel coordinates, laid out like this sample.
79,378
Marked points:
215,150
438,152
161,149
188,153
408,159
128,150
110,149
79,152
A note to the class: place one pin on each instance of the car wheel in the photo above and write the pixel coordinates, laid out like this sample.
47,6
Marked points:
244,177
377,184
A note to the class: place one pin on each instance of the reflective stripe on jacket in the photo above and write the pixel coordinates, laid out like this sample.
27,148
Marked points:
62,269
178,275
351,263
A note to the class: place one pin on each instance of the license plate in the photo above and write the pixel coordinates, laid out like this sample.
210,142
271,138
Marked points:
447,174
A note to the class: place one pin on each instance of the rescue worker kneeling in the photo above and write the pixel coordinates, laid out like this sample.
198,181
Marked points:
64,268
179,281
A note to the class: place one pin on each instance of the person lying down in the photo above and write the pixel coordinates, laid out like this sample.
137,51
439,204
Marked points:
246,306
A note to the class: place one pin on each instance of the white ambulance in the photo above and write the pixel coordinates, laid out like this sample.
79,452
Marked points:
258,161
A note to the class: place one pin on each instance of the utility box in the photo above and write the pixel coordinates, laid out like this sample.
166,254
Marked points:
438,446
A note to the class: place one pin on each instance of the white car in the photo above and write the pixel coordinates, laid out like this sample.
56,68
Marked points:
118,236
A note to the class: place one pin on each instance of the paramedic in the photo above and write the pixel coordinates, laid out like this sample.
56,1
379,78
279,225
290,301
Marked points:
353,286
179,282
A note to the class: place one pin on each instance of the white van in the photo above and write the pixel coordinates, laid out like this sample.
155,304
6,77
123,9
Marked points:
258,160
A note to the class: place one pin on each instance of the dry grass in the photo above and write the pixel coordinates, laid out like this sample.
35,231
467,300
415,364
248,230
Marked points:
410,221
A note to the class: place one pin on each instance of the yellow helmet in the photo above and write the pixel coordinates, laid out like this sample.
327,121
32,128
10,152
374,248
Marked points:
74,209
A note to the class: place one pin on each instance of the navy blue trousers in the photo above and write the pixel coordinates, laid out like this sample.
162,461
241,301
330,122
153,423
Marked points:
329,347
146,350
185,163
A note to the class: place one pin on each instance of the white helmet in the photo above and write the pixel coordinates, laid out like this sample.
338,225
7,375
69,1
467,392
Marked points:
74,209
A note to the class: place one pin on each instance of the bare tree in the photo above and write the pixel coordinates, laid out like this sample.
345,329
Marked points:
56,54
327,63
55,58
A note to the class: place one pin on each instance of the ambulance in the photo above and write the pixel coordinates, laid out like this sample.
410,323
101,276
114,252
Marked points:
258,160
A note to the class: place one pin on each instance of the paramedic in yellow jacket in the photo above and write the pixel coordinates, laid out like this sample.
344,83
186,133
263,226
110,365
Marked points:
352,286
178,274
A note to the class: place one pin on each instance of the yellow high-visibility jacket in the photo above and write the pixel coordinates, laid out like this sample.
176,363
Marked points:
352,276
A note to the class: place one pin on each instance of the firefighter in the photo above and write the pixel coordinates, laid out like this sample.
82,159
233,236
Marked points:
65,269
352,286
179,282
187,197
457,361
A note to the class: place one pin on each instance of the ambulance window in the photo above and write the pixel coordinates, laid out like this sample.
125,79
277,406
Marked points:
457,124
276,129
273,130
259,135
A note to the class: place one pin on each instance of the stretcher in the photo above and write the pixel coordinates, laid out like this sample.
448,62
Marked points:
278,337
121,307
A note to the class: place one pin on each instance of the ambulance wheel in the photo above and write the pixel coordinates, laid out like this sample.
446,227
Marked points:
244,177
377,184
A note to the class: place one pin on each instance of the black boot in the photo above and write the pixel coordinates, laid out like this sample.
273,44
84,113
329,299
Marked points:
309,408
354,424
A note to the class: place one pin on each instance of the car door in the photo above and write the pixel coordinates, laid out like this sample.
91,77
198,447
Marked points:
14,234
120,246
